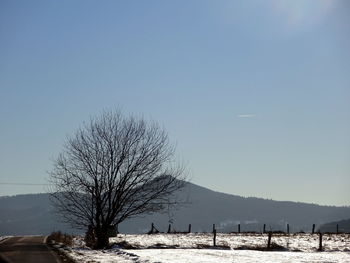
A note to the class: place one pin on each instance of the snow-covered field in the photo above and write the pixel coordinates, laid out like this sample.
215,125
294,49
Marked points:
181,248
297,242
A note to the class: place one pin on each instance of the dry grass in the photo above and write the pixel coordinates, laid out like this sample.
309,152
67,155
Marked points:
59,237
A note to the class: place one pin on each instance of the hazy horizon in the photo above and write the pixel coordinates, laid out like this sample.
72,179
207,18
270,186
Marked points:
255,94
26,193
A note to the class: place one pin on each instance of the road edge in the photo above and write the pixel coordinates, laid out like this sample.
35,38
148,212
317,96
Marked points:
60,254
58,260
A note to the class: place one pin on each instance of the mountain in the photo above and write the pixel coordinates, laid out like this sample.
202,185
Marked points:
343,226
34,214
207,207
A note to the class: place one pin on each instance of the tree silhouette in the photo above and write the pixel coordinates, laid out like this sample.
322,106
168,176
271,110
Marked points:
113,168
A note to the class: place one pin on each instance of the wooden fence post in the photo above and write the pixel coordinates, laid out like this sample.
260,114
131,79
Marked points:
337,229
320,242
313,228
264,231
213,228
169,228
239,228
269,240
214,239
287,228
189,228
152,228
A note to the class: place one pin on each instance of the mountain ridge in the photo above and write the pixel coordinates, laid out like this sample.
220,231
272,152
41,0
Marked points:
34,214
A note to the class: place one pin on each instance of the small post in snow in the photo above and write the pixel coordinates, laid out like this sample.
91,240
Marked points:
337,229
287,228
269,240
313,228
320,242
239,228
264,231
214,239
169,228
189,228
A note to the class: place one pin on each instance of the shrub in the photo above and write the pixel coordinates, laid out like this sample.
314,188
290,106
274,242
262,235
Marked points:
90,237
59,237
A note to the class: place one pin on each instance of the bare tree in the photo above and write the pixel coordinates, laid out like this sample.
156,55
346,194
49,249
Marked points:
114,168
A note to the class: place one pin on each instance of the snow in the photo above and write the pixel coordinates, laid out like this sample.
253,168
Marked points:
337,249
205,256
3,238
229,256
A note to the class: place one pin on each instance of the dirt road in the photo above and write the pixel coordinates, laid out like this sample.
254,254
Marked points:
27,249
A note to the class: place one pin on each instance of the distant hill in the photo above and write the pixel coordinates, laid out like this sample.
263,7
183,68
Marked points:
343,226
29,214
208,207
33,214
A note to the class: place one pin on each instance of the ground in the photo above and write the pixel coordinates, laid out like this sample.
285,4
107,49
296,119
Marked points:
181,248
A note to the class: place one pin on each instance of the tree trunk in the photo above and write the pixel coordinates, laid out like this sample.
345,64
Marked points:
102,240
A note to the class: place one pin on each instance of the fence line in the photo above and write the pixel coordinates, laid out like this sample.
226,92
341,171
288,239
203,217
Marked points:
170,230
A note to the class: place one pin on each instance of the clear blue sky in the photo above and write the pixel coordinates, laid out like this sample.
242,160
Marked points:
256,94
